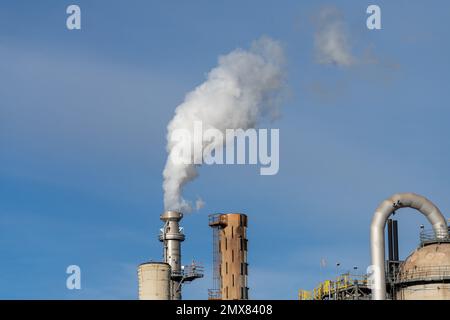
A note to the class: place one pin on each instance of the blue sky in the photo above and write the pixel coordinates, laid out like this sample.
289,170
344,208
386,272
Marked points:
83,118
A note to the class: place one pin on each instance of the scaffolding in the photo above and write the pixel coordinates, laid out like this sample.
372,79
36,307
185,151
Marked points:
215,293
345,287
304,295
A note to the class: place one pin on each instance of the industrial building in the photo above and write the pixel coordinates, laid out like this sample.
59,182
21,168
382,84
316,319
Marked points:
164,280
230,266
423,275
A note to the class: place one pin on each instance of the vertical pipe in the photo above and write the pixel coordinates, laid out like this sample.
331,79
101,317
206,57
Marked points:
395,237
390,240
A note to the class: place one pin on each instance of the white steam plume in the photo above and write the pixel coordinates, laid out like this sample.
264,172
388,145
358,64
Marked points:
236,95
332,40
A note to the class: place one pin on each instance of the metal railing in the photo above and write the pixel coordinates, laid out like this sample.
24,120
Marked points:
214,294
428,236
193,270
431,273
214,219
189,272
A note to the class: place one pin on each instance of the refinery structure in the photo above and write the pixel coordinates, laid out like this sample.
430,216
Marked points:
164,280
423,275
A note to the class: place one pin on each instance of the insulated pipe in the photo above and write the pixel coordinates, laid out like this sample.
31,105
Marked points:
386,208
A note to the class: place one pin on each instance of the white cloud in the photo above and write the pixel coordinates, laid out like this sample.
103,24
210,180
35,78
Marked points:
332,42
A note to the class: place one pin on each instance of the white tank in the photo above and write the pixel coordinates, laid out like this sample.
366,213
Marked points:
154,281
425,274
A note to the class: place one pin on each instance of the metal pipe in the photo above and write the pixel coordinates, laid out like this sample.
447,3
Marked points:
382,213
395,237
390,241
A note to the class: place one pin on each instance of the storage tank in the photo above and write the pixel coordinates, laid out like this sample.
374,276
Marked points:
425,274
154,281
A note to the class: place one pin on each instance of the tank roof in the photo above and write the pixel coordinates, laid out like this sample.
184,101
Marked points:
153,262
431,255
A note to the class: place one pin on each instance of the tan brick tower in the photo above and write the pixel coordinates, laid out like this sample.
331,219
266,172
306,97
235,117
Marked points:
230,256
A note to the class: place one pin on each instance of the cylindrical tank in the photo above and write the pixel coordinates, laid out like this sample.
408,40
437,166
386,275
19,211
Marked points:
154,281
425,274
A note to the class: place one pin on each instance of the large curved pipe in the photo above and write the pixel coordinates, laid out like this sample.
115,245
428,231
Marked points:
386,208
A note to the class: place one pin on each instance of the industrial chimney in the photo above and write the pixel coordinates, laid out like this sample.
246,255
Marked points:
230,265
163,280
171,236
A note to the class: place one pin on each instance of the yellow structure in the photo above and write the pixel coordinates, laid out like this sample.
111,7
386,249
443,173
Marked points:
304,295
230,256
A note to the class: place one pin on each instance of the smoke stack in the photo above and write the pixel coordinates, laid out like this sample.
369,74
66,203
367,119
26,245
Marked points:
171,236
163,280
230,257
